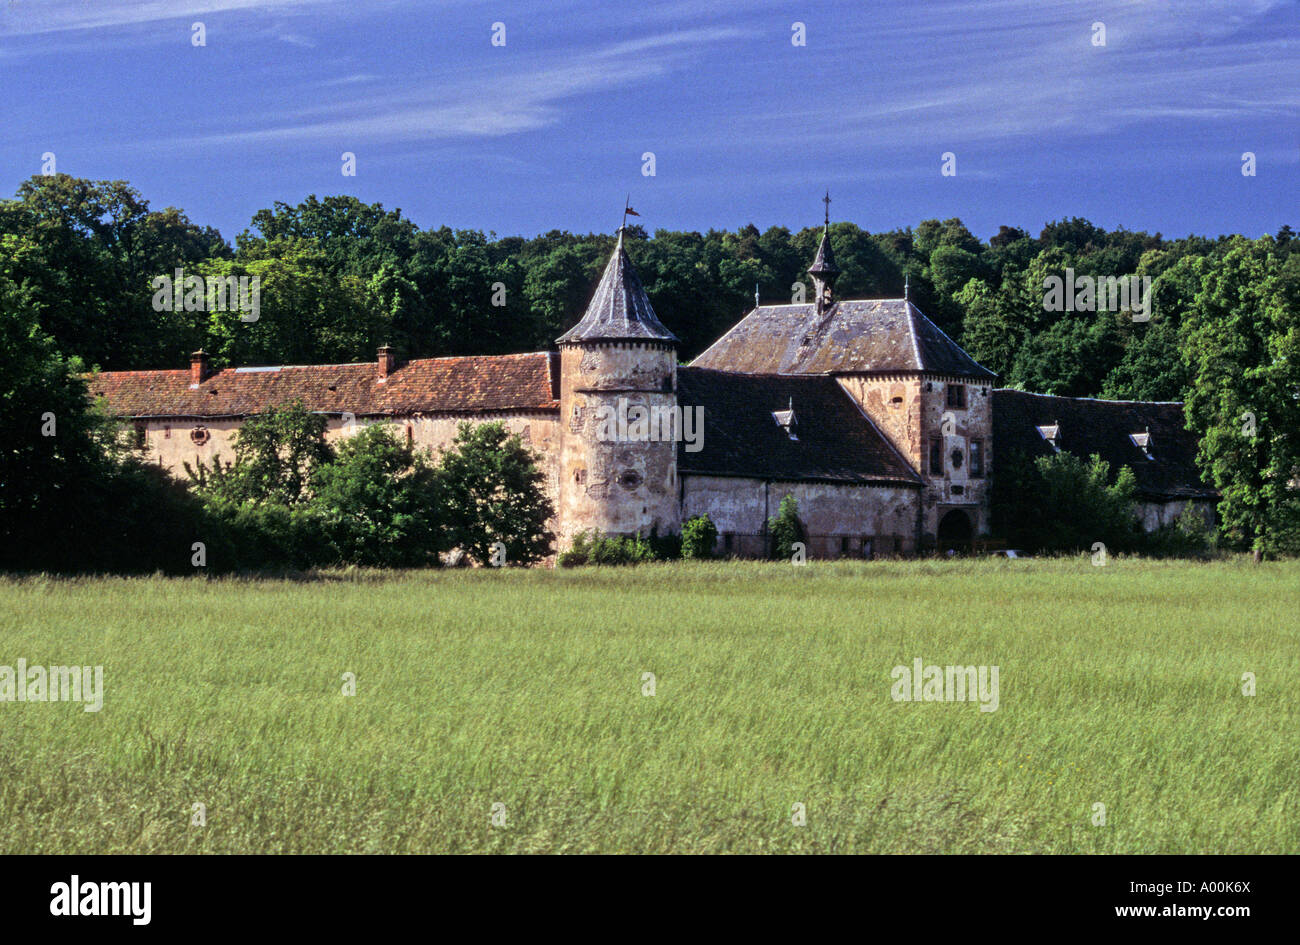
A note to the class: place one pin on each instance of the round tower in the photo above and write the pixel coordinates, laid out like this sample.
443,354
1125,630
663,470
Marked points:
619,422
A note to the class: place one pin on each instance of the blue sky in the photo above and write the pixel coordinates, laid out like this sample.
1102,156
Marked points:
548,131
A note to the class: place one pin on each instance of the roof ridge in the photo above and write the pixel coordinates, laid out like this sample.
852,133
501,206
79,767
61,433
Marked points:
1095,400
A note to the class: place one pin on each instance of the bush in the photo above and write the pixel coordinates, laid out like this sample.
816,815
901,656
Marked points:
699,536
1061,503
1189,535
785,529
591,547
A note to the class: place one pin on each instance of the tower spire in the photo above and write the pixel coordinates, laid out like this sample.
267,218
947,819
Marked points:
823,270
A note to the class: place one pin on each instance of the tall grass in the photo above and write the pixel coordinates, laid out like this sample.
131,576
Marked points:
1120,685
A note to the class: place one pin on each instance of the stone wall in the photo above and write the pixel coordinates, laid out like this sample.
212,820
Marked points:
1153,515
617,485
171,442
910,410
833,513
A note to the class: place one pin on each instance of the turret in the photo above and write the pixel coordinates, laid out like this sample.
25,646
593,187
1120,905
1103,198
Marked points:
823,270
618,413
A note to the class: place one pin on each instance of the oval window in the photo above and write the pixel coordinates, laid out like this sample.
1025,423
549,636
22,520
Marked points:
200,435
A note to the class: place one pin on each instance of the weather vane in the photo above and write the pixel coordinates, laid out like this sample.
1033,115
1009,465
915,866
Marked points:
628,211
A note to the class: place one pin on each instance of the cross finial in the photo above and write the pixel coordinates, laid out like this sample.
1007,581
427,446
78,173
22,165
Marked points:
827,200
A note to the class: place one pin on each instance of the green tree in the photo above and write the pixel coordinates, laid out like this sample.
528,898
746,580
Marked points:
276,452
1242,349
378,502
492,493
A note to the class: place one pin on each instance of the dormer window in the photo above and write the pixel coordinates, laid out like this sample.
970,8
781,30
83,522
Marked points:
787,421
1143,442
1052,434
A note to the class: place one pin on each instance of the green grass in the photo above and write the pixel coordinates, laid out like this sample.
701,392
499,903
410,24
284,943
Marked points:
1120,685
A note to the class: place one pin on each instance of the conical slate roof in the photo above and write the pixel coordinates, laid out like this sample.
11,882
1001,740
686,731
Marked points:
824,262
619,310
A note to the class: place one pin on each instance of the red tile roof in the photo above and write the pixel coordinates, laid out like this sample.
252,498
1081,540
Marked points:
434,385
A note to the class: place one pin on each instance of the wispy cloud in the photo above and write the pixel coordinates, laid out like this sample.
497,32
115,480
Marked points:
31,17
489,105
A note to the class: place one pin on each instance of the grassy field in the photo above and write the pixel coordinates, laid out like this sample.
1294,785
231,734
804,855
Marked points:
1119,685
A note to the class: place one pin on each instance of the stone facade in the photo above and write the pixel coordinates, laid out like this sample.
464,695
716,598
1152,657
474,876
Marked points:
611,484
877,423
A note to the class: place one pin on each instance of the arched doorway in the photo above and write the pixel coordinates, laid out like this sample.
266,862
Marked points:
955,532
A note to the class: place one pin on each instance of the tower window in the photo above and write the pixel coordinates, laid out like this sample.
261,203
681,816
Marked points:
977,459
957,396
936,456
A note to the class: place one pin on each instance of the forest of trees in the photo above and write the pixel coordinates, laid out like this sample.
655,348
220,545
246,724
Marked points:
340,277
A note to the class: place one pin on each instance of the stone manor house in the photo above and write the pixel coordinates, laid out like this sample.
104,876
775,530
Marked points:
883,428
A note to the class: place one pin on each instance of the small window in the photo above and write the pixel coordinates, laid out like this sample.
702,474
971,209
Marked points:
410,435
141,438
957,396
167,433
958,457
844,545
977,459
896,402
936,457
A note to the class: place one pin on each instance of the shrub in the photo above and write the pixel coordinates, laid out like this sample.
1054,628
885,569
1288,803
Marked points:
699,536
785,528
591,547
1062,503
1187,536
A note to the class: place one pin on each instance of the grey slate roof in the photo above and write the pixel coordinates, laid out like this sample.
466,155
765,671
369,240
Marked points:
742,438
867,336
1086,426
619,310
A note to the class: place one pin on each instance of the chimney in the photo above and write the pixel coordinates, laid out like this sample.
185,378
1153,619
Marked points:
387,362
199,369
